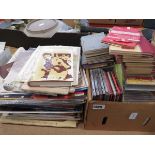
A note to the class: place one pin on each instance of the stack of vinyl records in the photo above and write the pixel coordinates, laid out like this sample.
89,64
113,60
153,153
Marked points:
138,65
44,86
105,85
95,54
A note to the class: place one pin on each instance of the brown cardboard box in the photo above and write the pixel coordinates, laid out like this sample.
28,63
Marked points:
119,116
101,21
136,22
69,22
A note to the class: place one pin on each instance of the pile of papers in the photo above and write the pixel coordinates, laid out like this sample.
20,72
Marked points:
43,86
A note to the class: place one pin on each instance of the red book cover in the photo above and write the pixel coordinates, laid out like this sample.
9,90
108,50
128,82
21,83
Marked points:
116,85
124,36
146,46
110,91
123,44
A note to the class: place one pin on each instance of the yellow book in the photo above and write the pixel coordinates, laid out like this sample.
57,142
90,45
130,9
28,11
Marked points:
137,81
53,67
118,50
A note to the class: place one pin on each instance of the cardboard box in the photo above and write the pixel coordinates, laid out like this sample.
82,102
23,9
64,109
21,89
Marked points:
119,116
69,22
101,21
129,22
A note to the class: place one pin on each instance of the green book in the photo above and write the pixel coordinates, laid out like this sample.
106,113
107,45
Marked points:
119,73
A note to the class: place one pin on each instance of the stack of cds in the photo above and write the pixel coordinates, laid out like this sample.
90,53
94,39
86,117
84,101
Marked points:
105,86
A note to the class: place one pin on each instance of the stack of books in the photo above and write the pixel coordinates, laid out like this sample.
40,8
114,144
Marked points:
44,86
95,53
138,64
126,37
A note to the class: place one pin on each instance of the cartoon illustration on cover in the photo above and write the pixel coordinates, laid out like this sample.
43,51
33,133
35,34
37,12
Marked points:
56,66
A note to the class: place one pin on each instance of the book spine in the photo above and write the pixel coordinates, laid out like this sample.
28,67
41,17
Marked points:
92,85
99,84
96,84
107,95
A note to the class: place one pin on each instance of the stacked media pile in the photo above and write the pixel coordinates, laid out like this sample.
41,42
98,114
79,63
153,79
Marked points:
96,58
95,53
104,85
137,56
44,86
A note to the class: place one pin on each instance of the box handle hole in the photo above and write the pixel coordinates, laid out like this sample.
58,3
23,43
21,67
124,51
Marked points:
147,120
104,120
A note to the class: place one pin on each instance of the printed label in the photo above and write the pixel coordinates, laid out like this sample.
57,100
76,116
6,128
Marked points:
133,115
98,106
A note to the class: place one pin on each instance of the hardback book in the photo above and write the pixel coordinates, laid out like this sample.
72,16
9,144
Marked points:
92,43
60,124
76,65
46,117
143,48
54,67
139,71
146,46
138,96
128,45
48,90
26,72
124,36
138,87
119,71
140,81
58,90
106,65
118,50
